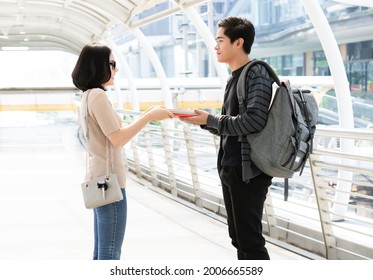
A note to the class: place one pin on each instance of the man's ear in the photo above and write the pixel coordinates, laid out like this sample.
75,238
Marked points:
240,42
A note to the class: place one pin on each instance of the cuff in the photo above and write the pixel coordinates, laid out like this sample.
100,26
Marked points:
212,121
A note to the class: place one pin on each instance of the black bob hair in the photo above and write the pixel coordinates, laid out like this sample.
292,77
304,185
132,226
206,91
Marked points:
92,69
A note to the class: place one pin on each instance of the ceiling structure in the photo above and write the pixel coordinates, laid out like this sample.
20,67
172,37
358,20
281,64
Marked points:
70,24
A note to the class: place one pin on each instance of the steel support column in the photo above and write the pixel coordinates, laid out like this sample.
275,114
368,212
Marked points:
209,39
154,59
341,85
126,72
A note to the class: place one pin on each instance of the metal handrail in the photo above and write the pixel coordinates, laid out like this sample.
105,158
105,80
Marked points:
181,159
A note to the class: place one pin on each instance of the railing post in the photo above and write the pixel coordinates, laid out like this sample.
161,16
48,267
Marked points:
323,208
270,217
125,159
216,143
149,149
169,158
136,157
193,165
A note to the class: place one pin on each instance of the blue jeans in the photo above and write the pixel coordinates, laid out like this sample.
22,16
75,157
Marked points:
109,227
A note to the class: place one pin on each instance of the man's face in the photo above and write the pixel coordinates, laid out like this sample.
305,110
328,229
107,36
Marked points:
225,50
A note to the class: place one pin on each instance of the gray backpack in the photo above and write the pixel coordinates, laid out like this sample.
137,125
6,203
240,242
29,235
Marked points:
283,146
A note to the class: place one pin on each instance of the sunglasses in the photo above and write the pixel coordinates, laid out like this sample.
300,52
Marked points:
113,65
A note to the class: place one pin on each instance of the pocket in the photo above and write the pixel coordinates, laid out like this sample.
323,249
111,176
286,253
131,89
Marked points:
288,153
300,156
229,174
293,158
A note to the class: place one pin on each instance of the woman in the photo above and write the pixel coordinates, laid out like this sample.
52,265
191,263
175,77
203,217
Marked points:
93,72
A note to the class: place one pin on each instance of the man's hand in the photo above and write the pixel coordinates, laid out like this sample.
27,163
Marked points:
200,119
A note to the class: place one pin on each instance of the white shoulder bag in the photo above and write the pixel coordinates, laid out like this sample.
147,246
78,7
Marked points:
104,189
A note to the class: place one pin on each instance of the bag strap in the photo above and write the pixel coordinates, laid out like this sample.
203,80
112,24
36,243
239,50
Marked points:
306,116
241,84
108,146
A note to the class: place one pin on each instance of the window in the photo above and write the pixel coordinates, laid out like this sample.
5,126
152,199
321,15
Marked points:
219,7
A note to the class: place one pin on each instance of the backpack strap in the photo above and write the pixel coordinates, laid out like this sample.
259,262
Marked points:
241,84
303,105
306,116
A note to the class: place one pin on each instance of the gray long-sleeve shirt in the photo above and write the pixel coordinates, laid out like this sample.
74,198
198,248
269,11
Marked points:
230,124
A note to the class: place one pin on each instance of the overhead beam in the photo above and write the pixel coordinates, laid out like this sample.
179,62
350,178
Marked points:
364,3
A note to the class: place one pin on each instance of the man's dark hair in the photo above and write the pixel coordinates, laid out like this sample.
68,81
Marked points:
238,27
92,69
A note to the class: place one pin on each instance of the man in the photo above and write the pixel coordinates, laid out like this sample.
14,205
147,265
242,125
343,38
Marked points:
244,186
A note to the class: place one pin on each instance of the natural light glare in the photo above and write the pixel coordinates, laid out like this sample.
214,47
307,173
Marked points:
36,69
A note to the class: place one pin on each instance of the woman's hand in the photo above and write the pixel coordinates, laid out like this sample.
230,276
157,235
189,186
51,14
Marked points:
200,119
158,113
123,135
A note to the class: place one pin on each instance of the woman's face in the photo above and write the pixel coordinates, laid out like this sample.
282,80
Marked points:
113,70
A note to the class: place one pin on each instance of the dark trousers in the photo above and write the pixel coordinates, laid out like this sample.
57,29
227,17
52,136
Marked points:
244,204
